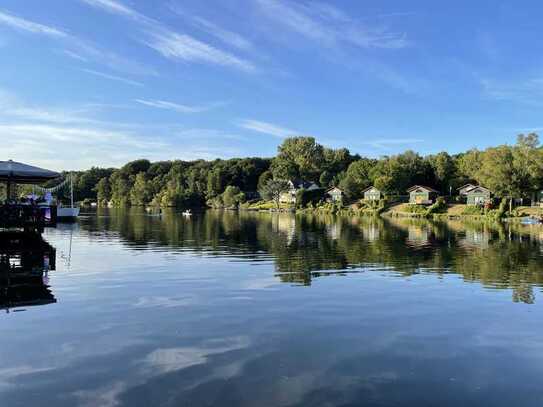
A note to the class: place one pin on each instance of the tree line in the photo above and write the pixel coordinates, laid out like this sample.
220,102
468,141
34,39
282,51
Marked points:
510,171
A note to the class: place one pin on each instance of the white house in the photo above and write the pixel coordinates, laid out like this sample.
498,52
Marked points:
294,186
334,194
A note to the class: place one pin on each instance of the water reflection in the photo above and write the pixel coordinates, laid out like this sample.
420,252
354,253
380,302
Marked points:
25,261
232,309
303,248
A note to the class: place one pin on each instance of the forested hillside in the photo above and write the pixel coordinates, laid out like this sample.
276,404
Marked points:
508,170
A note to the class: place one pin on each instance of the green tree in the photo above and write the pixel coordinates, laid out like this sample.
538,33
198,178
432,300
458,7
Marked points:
273,189
263,179
232,196
444,169
298,157
326,179
103,192
357,177
469,164
141,193
120,190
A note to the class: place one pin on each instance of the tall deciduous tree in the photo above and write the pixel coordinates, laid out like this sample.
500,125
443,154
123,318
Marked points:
357,177
298,157
273,189
444,170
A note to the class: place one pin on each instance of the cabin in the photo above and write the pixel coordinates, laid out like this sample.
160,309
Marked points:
421,195
334,194
478,195
289,196
372,194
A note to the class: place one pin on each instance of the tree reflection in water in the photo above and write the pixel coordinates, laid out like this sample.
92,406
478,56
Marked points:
305,247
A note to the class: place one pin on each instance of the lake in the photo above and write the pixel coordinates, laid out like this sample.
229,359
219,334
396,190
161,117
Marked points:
259,309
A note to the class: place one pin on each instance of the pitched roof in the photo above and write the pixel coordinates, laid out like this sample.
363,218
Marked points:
477,187
332,188
300,183
368,188
466,186
422,187
24,174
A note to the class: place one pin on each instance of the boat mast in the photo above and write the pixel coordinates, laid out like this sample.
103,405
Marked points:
72,190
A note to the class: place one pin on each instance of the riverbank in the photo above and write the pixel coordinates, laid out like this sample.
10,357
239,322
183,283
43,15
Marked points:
464,212
438,211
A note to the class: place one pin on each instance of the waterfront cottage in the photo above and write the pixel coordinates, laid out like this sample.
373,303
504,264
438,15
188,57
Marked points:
289,196
421,195
478,195
372,194
334,194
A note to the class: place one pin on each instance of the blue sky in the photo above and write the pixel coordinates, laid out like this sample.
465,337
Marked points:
102,82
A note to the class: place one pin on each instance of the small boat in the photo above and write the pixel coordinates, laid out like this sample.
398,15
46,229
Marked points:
530,221
188,212
68,214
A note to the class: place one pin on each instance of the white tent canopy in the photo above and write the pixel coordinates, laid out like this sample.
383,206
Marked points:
19,173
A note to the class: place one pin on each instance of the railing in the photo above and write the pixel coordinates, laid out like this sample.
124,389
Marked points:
25,216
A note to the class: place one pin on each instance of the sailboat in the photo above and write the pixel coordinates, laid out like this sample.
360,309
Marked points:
65,213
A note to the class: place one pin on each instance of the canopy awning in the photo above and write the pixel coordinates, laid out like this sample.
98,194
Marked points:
19,173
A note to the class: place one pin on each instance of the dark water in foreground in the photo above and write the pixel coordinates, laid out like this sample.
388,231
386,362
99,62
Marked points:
228,309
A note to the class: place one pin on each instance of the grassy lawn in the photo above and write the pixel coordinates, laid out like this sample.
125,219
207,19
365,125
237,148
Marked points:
401,208
530,210
264,205
453,210
456,209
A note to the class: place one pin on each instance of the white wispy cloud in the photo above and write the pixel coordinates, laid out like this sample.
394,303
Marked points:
77,145
22,24
329,25
267,128
523,91
75,47
226,36
12,108
171,44
176,107
204,134
43,115
75,138
120,9
113,77
184,47
75,55
391,142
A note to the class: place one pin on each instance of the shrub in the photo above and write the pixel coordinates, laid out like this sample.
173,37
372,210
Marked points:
305,197
502,209
232,197
438,207
414,208
472,210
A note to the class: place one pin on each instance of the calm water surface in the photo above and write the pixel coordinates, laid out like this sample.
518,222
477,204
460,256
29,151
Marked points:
228,309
